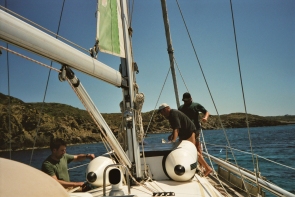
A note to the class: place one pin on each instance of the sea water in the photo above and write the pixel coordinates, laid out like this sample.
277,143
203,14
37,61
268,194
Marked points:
269,145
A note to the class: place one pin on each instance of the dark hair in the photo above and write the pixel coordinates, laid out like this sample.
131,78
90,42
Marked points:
55,143
186,95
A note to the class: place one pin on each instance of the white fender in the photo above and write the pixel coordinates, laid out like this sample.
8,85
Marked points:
181,163
95,169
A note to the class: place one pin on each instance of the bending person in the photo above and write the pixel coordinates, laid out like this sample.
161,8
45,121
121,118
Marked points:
183,128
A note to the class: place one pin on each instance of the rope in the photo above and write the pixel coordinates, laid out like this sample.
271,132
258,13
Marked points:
39,26
145,133
45,92
131,12
241,80
128,171
9,100
200,66
181,74
138,102
211,164
119,159
102,134
157,102
142,145
122,133
47,66
78,166
30,59
242,87
155,183
138,96
9,103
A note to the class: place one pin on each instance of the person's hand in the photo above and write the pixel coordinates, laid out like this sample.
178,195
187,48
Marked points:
85,187
78,184
91,156
204,120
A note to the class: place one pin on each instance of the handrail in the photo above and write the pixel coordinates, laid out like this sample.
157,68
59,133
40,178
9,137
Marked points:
216,145
263,183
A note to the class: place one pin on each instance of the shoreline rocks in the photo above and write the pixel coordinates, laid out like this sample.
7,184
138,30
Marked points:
36,123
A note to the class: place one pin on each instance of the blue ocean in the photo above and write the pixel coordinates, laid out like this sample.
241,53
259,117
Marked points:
273,146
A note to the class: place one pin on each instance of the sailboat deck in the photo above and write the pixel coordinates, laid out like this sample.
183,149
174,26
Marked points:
230,191
197,187
160,149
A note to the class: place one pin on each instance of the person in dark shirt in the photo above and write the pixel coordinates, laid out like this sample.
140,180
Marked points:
183,128
56,164
192,110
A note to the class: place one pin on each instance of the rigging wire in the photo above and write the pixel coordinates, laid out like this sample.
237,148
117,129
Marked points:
103,136
136,92
200,66
25,57
51,68
162,91
131,12
9,100
106,144
44,29
128,23
145,133
241,81
242,87
181,75
43,102
118,159
245,152
157,102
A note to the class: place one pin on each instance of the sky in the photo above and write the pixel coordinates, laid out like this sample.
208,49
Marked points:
265,33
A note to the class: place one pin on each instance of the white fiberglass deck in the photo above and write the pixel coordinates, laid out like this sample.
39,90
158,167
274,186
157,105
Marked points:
197,187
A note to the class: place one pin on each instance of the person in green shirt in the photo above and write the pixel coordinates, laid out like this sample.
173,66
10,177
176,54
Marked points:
56,164
192,111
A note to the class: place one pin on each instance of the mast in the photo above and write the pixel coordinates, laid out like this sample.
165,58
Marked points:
129,93
170,49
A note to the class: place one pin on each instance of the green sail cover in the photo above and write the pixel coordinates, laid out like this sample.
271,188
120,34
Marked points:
109,32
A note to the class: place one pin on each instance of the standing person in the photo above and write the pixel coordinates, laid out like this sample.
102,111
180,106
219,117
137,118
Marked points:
56,165
183,128
192,110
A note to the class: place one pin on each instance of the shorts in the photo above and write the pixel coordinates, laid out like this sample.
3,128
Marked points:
186,135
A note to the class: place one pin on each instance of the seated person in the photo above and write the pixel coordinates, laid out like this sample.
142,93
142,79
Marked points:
56,164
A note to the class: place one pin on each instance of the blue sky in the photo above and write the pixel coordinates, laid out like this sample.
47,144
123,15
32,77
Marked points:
266,42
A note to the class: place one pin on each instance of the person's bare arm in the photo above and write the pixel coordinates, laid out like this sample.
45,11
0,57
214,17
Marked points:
82,157
206,116
174,135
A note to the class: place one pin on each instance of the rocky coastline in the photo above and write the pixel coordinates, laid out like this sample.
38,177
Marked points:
36,123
